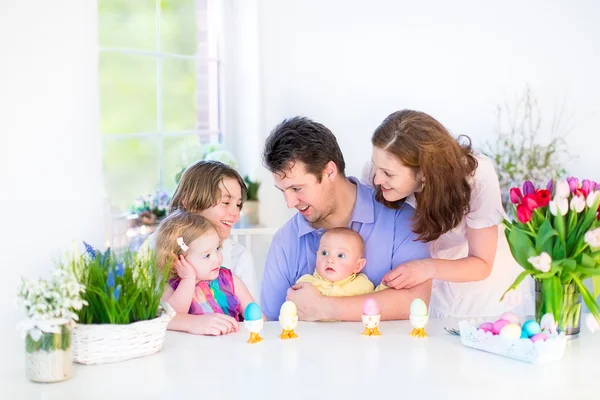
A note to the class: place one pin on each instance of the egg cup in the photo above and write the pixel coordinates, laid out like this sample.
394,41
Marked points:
418,332
288,334
254,338
371,323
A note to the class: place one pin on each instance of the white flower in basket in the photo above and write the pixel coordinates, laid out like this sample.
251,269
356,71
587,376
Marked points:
125,317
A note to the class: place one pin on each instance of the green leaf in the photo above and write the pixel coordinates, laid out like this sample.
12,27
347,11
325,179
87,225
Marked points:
516,283
589,301
587,261
521,247
544,241
596,283
559,225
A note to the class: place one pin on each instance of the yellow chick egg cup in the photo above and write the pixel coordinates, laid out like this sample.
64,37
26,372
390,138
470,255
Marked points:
371,325
288,319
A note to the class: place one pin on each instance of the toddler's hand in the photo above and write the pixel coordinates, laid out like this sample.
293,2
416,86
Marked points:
184,269
214,325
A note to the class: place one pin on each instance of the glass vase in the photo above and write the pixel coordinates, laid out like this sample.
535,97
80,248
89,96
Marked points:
561,300
48,359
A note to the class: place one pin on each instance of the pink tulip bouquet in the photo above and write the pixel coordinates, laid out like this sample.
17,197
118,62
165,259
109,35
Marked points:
556,239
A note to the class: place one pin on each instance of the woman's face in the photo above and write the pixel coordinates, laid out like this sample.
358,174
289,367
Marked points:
396,180
226,212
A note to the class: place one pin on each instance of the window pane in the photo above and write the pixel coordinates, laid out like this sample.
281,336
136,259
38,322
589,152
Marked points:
130,169
178,153
127,24
179,20
127,93
179,95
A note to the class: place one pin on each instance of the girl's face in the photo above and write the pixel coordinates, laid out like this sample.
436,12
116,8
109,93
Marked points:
226,213
396,180
204,254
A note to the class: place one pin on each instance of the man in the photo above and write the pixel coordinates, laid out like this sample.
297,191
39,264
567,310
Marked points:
308,168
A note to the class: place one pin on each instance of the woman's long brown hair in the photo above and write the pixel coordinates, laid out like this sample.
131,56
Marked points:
423,144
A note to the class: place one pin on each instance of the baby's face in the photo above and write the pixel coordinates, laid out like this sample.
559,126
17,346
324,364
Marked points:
338,257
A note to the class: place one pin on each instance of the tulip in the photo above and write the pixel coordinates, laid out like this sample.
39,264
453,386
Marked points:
562,189
586,187
523,213
577,204
530,201
573,183
515,195
550,186
528,188
559,206
542,262
542,197
592,197
592,238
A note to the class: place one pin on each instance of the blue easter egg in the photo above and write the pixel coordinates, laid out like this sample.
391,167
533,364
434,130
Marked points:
524,334
253,312
531,328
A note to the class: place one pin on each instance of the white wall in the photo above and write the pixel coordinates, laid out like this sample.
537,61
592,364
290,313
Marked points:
349,63
50,147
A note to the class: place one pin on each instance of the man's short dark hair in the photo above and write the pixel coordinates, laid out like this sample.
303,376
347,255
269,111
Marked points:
301,139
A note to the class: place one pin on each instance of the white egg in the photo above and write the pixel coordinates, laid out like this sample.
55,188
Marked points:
418,308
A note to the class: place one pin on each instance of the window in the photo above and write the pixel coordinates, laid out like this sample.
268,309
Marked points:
159,91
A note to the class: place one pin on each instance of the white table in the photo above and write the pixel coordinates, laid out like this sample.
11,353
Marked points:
328,360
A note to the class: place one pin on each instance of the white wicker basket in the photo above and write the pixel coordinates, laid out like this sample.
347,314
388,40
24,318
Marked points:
105,343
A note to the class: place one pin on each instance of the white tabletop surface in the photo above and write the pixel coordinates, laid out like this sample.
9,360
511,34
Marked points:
328,360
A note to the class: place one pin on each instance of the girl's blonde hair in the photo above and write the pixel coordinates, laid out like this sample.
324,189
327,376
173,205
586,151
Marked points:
178,224
199,189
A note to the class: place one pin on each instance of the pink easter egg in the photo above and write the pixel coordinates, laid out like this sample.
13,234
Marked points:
511,317
498,325
539,337
487,327
371,307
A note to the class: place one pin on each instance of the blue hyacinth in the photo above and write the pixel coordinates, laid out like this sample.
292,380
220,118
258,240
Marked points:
117,292
119,269
110,281
90,250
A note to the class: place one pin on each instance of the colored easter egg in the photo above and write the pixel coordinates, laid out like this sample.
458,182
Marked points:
511,331
511,317
418,308
288,309
252,312
539,337
524,335
371,307
498,325
531,327
487,327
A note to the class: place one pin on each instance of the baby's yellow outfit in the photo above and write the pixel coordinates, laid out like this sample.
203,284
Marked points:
354,285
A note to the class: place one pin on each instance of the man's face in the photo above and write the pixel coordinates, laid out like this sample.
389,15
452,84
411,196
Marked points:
301,190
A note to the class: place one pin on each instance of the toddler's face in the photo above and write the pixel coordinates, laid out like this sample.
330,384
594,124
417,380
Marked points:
338,257
205,256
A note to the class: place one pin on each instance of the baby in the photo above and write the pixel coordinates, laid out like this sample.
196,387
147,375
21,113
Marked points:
339,262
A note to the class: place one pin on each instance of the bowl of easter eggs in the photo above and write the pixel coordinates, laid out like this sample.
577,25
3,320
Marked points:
508,336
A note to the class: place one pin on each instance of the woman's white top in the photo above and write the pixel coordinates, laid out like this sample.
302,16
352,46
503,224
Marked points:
480,298
235,257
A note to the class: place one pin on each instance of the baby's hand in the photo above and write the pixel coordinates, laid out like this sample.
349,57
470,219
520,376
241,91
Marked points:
184,269
213,324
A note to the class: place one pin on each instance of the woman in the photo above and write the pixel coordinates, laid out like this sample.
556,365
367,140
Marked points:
456,195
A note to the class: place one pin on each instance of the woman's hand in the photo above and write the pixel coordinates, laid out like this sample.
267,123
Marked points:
213,324
184,269
410,274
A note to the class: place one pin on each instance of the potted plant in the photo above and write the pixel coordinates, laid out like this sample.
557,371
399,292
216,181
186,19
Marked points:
51,308
556,239
124,317
151,208
251,204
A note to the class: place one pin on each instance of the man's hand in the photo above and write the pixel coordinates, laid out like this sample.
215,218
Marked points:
311,304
